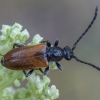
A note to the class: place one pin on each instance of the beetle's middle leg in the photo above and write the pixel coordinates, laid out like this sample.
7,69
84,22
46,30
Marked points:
17,45
45,72
29,73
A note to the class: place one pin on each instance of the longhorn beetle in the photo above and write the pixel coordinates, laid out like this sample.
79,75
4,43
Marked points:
39,56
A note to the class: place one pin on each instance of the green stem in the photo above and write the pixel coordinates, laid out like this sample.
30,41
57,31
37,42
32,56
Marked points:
7,83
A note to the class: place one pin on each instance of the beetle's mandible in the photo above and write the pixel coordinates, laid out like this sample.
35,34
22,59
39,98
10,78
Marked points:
39,56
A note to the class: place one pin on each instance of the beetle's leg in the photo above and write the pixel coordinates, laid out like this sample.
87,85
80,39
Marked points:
17,45
46,71
41,70
48,44
29,73
24,72
56,42
59,66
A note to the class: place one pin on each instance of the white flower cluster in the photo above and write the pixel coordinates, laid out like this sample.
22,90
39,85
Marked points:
37,89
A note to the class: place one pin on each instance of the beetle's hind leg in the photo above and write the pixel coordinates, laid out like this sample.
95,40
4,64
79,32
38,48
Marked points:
17,45
29,73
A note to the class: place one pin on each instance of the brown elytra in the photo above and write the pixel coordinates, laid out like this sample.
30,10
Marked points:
26,57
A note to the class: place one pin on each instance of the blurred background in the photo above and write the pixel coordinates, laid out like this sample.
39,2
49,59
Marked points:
67,20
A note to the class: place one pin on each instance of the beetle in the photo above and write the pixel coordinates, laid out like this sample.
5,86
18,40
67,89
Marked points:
38,56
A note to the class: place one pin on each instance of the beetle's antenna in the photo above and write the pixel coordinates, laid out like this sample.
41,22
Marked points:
86,63
94,18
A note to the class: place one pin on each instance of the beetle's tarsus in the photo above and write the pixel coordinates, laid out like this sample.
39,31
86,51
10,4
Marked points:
59,66
46,71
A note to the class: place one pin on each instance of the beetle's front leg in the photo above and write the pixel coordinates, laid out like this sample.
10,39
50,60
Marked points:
29,73
56,42
17,45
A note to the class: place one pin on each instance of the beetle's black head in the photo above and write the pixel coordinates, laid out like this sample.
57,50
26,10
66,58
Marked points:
68,53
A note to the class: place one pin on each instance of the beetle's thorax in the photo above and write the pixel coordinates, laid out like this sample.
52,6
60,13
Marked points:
54,53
